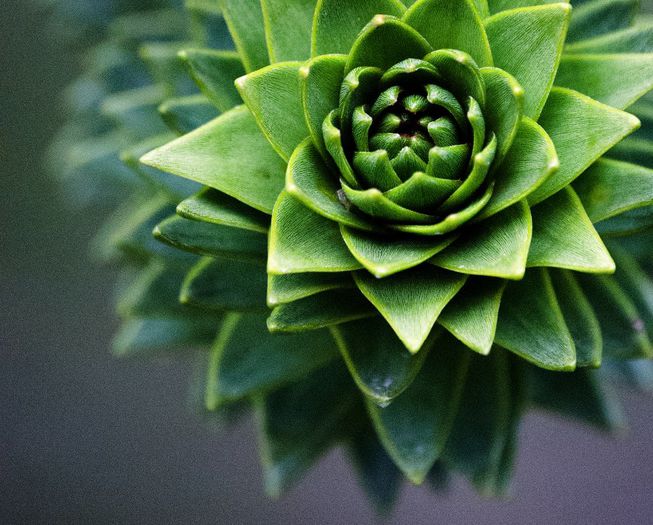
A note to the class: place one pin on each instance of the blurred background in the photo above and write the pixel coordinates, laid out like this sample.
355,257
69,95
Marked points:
85,438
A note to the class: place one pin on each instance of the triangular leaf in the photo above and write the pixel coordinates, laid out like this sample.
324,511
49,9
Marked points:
541,32
564,237
213,155
302,241
272,95
288,26
532,326
495,247
245,23
283,289
412,300
415,427
582,130
377,360
472,315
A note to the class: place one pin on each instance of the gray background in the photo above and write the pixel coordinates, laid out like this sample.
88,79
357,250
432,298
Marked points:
85,438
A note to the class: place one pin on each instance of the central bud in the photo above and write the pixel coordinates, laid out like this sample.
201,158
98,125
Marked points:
410,143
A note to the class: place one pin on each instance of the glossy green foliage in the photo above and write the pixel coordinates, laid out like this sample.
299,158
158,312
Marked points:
399,224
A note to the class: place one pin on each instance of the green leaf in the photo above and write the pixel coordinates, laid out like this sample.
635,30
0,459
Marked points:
496,6
451,25
377,360
215,72
379,476
617,80
284,289
495,247
580,318
462,77
336,24
320,80
415,427
622,323
213,155
476,444
628,223
564,237
610,187
217,208
297,424
144,337
638,39
154,293
580,395
245,23
532,326
225,284
374,203
384,42
527,43
272,95
384,255
582,130
600,17
472,315
504,114
320,311
411,301
531,160
246,359
211,239
183,115
311,182
302,241
288,26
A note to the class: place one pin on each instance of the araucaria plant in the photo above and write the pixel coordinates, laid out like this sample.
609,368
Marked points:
417,220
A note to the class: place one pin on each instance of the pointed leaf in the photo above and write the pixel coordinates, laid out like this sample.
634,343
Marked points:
302,241
601,17
320,80
617,80
384,255
379,476
213,155
451,25
482,425
580,318
250,360
186,114
495,247
272,95
320,311
412,300
284,289
336,24
415,427
531,160
224,284
245,23
377,360
211,239
564,237
215,72
298,423
504,115
622,323
532,326
311,182
288,26
610,187
582,130
580,395
218,208
384,42
527,43
472,315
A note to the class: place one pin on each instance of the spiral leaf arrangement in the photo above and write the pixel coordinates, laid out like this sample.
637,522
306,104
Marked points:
437,200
